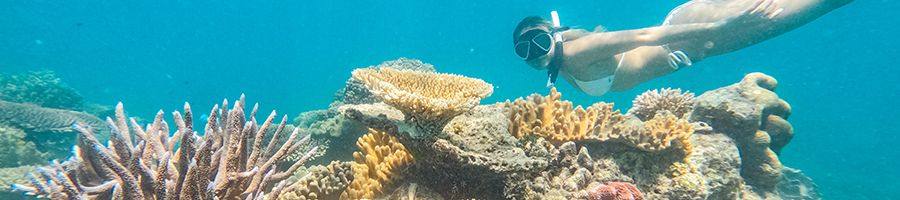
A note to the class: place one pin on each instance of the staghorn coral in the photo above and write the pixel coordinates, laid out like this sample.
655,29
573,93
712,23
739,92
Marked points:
752,114
320,182
41,88
615,191
646,105
379,162
556,120
428,100
227,162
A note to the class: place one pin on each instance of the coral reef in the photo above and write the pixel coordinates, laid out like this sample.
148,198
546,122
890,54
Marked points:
379,162
320,182
646,105
48,130
228,162
752,114
428,100
41,88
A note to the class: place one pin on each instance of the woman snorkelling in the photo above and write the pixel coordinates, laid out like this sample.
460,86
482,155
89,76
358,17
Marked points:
597,62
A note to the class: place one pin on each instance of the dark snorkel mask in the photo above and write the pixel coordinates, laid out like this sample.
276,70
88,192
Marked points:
536,43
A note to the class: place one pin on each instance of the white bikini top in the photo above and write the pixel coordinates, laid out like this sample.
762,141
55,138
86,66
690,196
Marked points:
600,86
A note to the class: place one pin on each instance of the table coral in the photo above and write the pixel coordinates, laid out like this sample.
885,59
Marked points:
755,117
227,162
379,162
646,105
429,100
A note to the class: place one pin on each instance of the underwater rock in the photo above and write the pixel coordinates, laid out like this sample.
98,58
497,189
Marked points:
797,186
752,114
41,88
50,130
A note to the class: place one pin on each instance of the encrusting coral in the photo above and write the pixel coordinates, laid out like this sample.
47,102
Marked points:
227,162
752,114
428,100
556,120
646,105
379,162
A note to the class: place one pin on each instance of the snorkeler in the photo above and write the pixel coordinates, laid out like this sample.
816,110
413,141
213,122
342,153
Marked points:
596,62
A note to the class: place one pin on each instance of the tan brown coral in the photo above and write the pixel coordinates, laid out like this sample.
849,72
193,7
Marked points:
379,161
428,99
554,119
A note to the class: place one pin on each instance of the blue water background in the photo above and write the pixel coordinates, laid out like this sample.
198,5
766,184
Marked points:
839,73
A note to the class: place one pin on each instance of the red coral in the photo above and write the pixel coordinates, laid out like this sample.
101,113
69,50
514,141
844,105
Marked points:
615,191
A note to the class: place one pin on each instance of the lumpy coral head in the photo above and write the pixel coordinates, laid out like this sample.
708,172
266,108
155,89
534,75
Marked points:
424,96
615,191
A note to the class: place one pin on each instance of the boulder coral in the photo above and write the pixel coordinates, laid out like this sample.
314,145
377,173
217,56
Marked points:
755,117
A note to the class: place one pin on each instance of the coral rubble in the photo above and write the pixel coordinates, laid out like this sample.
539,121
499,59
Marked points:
230,160
752,114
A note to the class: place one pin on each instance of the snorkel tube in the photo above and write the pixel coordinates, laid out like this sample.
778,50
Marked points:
553,66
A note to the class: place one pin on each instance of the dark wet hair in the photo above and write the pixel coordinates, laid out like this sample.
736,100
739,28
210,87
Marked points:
529,23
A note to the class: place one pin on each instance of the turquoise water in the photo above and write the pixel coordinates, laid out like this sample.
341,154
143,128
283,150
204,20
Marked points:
839,73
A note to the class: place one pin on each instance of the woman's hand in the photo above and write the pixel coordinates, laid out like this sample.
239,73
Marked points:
758,12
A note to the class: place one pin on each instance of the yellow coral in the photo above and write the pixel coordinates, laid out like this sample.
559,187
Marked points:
664,130
379,161
551,118
424,96
554,119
